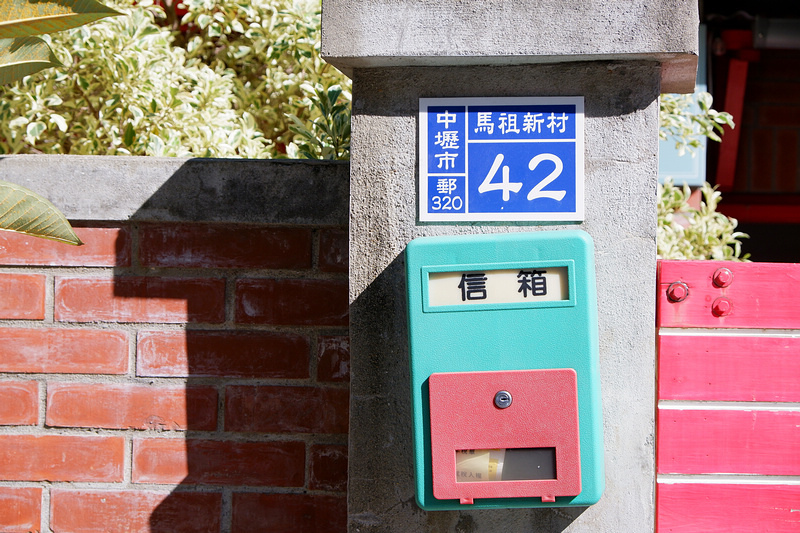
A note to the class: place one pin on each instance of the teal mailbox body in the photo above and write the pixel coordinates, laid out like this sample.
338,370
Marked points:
504,370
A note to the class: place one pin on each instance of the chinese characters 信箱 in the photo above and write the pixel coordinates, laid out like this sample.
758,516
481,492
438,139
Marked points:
533,281
473,285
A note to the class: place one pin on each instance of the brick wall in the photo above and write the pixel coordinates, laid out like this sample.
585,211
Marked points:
770,127
174,377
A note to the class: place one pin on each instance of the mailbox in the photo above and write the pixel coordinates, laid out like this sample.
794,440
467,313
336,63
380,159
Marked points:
504,370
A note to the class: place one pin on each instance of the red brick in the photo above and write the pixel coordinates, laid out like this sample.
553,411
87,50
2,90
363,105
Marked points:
22,296
773,92
223,353
292,302
20,509
76,351
328,467
279,464
786,163
762,170
333,358
289,513
775,64
334,250
134,511
61,458
741,180
140,299
124,406
748,118
771,116
19,403
224,246
101,247
276,409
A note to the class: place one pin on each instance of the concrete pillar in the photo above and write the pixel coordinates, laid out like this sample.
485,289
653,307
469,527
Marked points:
619,56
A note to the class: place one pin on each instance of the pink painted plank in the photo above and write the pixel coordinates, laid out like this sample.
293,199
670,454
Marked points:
744,369
691,508
728,442
761,295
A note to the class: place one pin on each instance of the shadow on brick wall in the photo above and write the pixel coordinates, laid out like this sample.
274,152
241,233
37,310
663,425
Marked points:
237,291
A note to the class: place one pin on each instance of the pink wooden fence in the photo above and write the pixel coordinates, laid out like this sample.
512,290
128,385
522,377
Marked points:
728,449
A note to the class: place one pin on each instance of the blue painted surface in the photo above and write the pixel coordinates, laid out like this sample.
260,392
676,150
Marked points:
501,159
540,335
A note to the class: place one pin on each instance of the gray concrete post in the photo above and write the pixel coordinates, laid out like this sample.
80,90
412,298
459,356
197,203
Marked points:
619,56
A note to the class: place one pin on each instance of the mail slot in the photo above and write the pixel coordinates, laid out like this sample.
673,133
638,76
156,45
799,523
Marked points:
504,370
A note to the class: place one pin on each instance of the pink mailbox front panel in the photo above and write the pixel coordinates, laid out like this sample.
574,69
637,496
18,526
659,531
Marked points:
542,418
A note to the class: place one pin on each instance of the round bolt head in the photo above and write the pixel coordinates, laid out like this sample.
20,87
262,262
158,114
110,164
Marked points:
721,307
722,277
677,291
502,399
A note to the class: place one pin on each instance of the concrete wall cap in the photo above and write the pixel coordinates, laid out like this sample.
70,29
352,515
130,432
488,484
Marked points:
391,33
119,188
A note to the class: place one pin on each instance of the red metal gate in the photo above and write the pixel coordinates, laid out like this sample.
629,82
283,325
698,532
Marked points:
728,449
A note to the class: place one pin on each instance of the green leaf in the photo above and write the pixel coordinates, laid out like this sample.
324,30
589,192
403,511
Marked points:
20,18
24,211
333,94
35,129
23,56
203,20
129,135
59,121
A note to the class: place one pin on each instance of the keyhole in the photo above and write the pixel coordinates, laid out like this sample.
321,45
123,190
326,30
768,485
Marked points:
502,399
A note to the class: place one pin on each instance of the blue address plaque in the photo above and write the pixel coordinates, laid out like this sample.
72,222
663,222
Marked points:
501,159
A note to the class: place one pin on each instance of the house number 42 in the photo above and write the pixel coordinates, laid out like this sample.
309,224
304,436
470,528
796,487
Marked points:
507,186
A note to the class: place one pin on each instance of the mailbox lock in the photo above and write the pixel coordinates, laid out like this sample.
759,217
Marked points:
502,399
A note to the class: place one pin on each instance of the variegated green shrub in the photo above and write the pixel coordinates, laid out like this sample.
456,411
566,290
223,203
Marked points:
24,50
686,118
273,47
683,231
220,85
688,233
